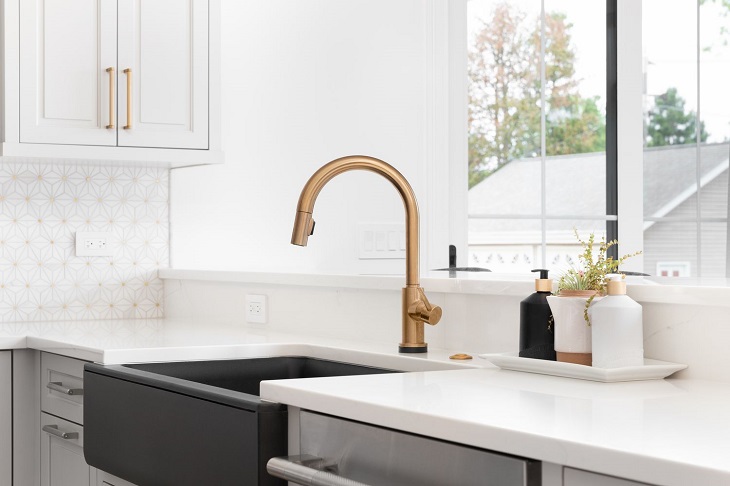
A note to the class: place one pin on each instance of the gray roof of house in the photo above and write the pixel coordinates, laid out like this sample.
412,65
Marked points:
669,178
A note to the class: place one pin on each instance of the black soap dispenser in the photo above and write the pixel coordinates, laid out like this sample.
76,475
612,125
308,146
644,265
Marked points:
537,336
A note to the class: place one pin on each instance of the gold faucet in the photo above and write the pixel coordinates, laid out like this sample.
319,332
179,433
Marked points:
416,307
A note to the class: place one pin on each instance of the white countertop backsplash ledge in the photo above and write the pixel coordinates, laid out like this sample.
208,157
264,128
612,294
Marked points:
714,291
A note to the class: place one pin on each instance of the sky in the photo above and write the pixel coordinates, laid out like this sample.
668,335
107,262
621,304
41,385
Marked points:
670,49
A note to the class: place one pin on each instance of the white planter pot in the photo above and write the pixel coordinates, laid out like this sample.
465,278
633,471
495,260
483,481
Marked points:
572,332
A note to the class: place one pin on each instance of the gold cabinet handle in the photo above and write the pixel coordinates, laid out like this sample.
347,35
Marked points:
110,70
128,72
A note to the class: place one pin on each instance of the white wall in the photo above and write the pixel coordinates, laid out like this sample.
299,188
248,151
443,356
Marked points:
304,82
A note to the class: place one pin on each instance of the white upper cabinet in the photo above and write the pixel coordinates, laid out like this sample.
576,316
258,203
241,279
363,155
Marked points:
163,73
127,80
65,49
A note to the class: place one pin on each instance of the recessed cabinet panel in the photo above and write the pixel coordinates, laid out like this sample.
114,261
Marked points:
65,90
68,56
165,63
163,73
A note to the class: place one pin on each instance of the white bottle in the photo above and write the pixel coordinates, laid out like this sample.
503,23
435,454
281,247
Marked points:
617,328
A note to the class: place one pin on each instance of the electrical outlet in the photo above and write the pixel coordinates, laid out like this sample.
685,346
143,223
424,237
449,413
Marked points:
256,308
94,244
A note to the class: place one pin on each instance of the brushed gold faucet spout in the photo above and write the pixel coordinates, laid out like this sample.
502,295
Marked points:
416,308
303,228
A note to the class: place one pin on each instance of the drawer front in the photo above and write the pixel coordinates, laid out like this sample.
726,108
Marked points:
62,387
62,453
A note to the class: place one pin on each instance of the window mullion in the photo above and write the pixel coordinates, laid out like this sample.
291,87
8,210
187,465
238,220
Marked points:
698,158
629,131
543,137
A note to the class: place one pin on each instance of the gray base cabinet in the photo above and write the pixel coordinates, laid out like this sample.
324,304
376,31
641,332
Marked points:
45,411
6,418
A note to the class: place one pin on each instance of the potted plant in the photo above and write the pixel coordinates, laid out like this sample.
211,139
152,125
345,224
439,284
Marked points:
578,288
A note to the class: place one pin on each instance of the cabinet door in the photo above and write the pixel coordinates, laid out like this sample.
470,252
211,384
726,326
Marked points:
66,47
163,73
6,418
62,459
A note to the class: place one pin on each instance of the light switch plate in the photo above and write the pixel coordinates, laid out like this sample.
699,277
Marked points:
381,241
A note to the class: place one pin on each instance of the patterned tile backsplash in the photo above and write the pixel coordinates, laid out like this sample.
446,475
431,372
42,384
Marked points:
43,205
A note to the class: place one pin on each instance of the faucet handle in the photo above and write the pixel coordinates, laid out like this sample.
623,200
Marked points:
422,310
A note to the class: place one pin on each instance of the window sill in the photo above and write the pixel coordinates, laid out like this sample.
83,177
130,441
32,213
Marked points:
715,292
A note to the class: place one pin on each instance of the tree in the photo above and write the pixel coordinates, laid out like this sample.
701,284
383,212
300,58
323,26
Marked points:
501,73
505,93
669,124
583,130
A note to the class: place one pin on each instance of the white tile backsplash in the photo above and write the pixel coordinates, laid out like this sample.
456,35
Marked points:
43,205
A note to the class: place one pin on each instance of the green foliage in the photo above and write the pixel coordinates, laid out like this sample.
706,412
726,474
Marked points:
582,129
669,124
594,271
505,93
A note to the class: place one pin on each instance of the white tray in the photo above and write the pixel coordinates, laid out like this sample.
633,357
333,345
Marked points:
652,370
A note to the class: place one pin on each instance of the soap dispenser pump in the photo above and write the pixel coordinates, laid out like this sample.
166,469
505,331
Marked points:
537,338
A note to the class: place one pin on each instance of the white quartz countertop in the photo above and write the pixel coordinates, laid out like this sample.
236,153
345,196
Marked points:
669,432
151,340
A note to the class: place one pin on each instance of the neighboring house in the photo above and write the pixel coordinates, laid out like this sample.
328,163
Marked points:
669,191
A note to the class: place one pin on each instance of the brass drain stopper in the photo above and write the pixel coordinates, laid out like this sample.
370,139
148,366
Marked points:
460,356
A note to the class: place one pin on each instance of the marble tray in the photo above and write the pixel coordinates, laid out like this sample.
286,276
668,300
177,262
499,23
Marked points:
652,370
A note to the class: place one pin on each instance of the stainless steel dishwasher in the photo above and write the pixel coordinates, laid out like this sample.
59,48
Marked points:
338,452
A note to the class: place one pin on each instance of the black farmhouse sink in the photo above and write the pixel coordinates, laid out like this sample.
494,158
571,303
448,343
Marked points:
192,423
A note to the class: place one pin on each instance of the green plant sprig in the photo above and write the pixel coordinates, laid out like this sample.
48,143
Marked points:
593,274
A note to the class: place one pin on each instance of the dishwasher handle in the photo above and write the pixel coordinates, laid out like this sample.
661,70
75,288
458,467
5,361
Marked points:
292,469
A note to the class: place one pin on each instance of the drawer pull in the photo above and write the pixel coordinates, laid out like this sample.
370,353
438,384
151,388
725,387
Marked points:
58,387
292,469
53,430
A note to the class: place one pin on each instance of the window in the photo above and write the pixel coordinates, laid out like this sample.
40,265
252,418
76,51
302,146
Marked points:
686,136
539,120
537,131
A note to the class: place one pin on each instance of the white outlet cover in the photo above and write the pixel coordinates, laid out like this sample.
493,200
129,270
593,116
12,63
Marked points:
86,240
256,308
